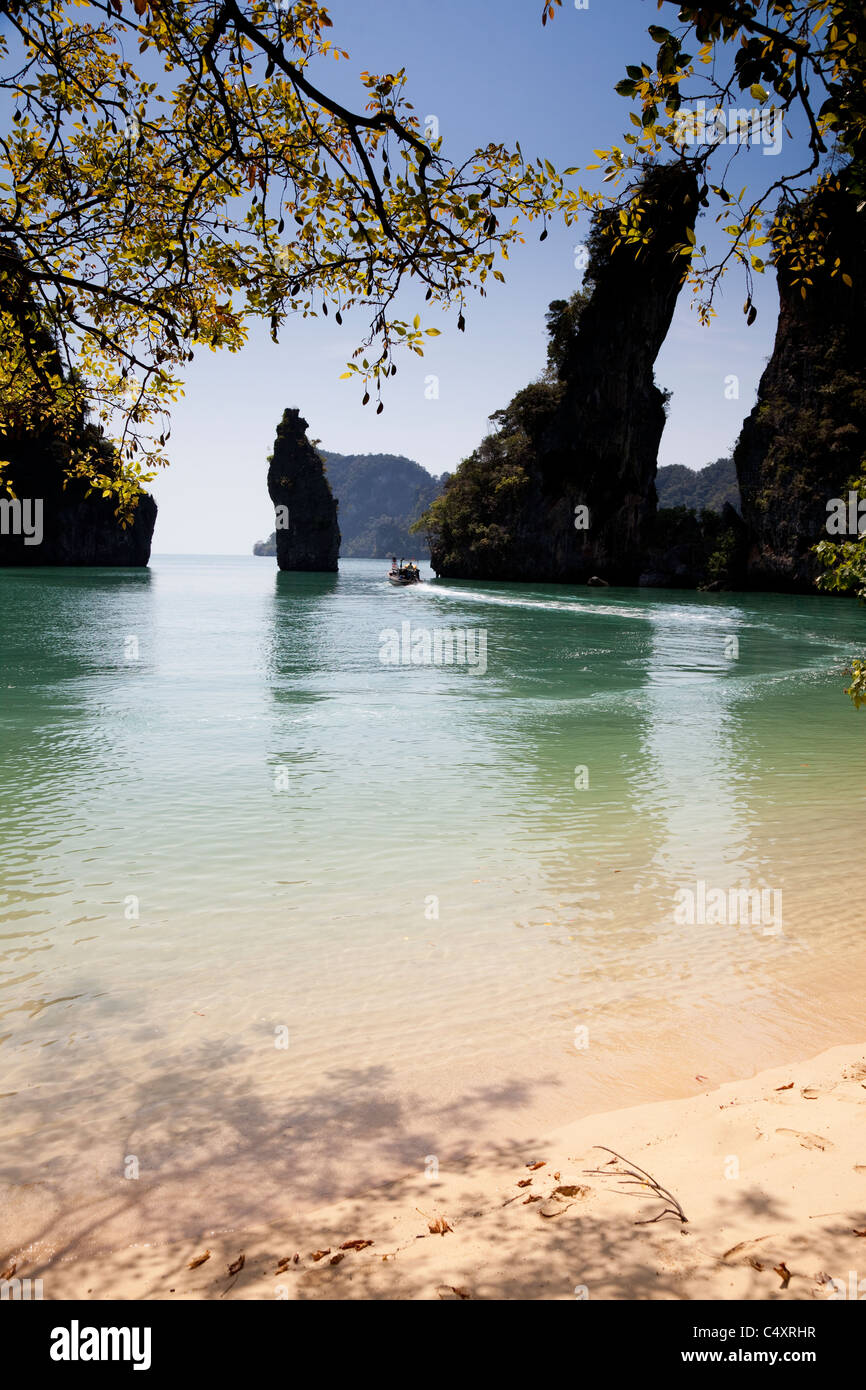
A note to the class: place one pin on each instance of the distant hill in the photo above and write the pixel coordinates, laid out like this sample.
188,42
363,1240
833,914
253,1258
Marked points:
710,487
380,495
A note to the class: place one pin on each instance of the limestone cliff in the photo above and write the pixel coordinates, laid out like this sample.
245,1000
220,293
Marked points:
46,516
806,436
73,529
307,533
587,436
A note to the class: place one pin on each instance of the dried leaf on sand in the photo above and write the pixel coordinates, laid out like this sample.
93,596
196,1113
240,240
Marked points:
808,1141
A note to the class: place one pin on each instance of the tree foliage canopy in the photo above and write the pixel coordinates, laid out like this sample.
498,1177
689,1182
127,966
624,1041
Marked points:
176,168
797,61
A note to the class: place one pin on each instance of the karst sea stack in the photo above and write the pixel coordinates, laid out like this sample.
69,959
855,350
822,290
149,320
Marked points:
307,533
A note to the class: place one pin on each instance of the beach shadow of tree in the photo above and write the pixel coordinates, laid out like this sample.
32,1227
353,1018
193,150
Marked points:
225,1154
500,1246
220,1154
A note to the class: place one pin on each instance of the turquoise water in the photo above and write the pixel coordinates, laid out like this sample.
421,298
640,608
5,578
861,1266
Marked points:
280,919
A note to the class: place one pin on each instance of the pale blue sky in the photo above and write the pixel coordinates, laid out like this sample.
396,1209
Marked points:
487,71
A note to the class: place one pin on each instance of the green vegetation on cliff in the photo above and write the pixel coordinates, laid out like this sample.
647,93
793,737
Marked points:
380,496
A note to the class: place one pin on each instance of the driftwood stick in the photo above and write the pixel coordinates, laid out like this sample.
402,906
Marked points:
639,1175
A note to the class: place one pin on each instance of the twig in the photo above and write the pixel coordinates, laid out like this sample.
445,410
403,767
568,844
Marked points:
643,1179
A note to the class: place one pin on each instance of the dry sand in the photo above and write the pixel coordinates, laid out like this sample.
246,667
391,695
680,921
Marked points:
770,1172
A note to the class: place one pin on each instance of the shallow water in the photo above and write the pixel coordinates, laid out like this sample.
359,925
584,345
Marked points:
280,920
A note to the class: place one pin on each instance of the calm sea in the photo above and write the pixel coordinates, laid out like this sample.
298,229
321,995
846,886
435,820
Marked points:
282,917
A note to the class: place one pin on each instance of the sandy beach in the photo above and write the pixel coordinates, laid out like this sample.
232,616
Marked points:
770,1173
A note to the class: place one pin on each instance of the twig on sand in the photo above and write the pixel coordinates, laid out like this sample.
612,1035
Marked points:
635,1174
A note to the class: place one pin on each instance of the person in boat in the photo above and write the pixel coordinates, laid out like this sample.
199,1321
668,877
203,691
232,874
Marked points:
408,574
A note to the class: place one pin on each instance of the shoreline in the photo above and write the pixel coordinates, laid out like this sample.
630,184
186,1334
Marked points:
770,1173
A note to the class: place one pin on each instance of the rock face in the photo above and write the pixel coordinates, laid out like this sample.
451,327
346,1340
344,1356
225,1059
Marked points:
53,525
588,436
687,550
307,534
379,497
806,436
45,522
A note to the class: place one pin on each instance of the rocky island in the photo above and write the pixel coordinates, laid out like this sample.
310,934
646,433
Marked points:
380,496
48,515
564,489
307,532
51,520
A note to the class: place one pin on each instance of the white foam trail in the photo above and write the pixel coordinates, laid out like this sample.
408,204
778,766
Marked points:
656,613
